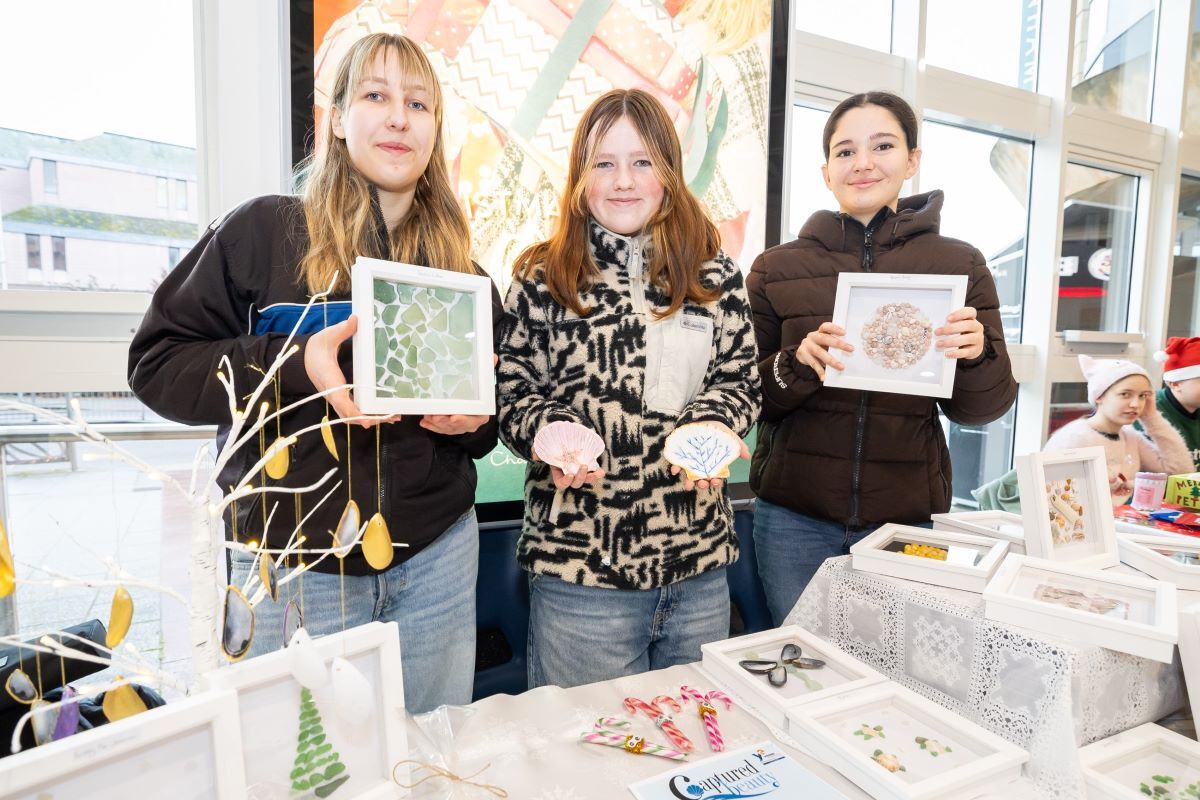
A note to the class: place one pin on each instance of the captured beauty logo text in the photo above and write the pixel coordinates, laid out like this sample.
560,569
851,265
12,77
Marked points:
748,779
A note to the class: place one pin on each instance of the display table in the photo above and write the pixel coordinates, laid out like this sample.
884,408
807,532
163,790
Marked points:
1047,695
531,741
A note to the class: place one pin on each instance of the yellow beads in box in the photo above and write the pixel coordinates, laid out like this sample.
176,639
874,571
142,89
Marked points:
924,551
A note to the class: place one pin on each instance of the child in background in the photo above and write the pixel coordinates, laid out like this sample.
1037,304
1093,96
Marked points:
1179,398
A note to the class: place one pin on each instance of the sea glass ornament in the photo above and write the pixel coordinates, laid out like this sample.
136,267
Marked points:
327,437
307,666
377,542
122,702
269,576
293,620
43,720
702,451
8,573
277,464
237,629
68,715
120,615
348,530
569,446
20,687
351,693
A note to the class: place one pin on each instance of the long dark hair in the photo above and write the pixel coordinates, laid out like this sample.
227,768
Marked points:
898,107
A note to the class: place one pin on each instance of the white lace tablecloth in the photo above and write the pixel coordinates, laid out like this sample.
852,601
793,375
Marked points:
1047,695
531,741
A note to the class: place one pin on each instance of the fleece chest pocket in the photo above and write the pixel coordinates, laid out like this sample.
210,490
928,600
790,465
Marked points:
678,350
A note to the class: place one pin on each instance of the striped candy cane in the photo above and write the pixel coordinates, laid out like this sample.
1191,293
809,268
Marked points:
708,713
661,718
635,745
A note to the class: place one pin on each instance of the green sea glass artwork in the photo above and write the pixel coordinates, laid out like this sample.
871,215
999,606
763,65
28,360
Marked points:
318,770
424,342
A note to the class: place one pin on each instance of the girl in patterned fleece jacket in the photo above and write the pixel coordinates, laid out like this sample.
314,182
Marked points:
628,320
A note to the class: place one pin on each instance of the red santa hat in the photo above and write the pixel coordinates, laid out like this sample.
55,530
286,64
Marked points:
1101,373
1181,359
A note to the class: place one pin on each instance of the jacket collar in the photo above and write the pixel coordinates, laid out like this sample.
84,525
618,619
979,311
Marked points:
840,232
614,248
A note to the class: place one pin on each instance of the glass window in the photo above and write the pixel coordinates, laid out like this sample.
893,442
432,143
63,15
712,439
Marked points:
1114,55
172,257
161,192
50,177
1183,316
807,189
181,195
33,251
954,39
1191,110
1068,401
58,246
986,182
1095,267
866,23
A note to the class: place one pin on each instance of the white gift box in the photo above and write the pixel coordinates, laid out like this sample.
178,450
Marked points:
841,672
896,745
970,562
1003,525
1128,613
1173,560
1117,768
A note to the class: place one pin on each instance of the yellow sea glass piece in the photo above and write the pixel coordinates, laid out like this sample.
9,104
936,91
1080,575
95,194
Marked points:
327,437
268,575
119,617
8,574
377,543
122,702
277,465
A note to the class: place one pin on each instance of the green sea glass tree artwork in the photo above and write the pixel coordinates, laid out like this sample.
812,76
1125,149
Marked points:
423,342
318,770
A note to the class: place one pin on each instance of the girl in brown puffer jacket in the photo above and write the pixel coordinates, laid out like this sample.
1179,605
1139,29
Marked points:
833,464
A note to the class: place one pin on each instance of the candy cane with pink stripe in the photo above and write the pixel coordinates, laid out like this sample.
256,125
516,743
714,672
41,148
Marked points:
661,718
708,713
605,734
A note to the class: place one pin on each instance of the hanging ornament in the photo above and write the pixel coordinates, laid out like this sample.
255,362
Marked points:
308,668
268,575
122,702
8,574
327,437
377,543
237,631
348,531
277,464
351,693
120,616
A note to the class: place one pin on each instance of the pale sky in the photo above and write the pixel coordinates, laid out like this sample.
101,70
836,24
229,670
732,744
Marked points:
76,68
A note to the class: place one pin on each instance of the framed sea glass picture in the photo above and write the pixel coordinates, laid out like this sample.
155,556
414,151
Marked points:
1146,761
342,738
187,748
895,744
890,318
1067,507
424,341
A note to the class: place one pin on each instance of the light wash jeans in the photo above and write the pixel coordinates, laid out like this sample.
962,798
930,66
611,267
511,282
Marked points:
583,634
431,597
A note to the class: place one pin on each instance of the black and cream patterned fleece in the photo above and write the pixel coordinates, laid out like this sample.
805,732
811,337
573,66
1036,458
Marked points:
632,379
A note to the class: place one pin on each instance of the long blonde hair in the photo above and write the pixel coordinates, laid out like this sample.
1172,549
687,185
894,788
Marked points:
337,197
683,237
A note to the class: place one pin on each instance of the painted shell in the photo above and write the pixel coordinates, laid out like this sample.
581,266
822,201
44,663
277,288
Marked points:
702,451
568,446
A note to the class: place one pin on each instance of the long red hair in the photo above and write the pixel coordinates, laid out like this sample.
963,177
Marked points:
682,236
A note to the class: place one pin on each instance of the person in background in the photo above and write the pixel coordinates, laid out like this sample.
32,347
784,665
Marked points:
1121,395
1179,398
832,464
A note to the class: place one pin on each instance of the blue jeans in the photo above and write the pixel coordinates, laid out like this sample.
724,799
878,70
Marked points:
583,634
431,597
790,547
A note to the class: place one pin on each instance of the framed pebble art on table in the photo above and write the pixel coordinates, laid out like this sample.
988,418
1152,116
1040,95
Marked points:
890,318
957,560
1067,507
424,341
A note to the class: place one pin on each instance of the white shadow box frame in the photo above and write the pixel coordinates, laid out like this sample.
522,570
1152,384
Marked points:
860,297
1128,613
269,707
971,560
189,748
1003,525
1117,767
1172,560
1067,507
841,673
381,370
1189,653
843,732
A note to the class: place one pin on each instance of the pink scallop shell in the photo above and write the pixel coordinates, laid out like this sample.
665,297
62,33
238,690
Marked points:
568,446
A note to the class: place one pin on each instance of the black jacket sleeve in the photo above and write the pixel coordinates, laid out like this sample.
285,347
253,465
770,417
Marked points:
786,383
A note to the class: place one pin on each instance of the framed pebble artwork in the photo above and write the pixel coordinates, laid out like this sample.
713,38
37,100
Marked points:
1067,508
890,318
424,341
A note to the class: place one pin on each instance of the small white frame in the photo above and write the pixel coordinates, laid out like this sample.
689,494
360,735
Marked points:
152,754
1142,552
860,293
720,661
1148,743
1003,525
268,695
1152,633
1089,467
821,728
875,553
363,275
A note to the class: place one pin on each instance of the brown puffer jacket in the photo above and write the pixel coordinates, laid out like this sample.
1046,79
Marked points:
863,458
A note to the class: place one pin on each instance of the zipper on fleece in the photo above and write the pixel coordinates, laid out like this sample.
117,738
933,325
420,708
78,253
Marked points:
637,290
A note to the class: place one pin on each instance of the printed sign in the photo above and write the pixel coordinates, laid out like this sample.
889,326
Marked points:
760,770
